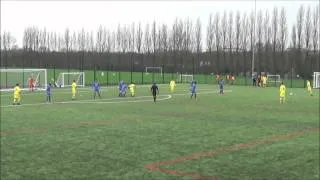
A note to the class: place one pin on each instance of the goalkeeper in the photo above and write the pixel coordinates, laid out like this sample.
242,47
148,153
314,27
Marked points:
96,89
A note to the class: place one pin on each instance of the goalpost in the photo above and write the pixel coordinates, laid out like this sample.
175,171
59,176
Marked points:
10,77
65,79
153,69
274,79
316,80
185,78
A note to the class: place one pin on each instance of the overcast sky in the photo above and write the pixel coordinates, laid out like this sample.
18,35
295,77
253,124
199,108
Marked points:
57,15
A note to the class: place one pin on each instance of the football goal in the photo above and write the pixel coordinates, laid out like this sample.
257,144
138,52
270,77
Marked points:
273,79
154,69
10,77
316,80
65,79
185,78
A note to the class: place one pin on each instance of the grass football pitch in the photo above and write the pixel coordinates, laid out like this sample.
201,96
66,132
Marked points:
244,134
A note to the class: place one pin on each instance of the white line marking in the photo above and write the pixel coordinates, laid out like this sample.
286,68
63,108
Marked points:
169,96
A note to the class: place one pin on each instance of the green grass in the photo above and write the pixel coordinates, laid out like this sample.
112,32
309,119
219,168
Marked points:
115,139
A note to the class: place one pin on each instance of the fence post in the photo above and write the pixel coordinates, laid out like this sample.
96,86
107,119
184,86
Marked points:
54,73
119,76
107,76
94,72
162,74
142,77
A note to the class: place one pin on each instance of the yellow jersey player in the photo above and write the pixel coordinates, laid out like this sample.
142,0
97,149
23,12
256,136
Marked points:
16,95
309,88
74,89
172,85
132,89
282,92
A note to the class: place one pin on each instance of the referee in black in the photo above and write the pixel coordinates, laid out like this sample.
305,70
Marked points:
155,91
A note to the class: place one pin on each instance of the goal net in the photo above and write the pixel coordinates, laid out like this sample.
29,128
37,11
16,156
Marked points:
316,80
65,79
154,69
273,79
185,78
10,77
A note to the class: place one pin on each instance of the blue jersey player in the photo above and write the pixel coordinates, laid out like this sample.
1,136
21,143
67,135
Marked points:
49,93
221,85
123,90
96,89
121,83
193,89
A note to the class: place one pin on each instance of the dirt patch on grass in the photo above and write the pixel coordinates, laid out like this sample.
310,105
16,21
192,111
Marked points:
268,140
46,129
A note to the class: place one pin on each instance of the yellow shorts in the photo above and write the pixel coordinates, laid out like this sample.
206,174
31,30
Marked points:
282,95
309,89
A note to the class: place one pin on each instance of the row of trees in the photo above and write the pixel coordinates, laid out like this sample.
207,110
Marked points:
227,45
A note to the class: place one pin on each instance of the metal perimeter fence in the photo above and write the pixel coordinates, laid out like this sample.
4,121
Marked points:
159,75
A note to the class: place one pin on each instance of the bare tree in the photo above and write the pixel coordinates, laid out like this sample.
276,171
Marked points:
139,38
244,34
100,40
283,34
147,39
260,40
198,39
300,20
164,42
230,40
274,37
315,30
237,37
217,38
307,31
315,35
252,34
210,35
294,37
8,42
187,33
300,24
224,26
267,35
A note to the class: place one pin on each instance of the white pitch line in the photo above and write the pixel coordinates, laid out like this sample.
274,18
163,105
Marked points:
82,90
87,101
169,96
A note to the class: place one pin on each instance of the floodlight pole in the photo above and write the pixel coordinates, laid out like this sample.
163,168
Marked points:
254,33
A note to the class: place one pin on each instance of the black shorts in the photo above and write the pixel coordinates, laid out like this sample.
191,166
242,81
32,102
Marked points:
154,94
